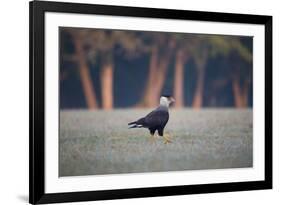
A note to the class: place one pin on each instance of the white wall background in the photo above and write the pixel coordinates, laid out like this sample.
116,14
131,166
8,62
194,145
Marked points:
14,100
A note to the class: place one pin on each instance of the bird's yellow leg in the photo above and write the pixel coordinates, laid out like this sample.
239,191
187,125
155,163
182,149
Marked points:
152,138
167,138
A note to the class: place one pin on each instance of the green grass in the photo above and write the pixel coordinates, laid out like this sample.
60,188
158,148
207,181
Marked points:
99,142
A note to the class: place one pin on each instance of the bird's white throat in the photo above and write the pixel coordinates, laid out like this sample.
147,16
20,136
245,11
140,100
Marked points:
164,101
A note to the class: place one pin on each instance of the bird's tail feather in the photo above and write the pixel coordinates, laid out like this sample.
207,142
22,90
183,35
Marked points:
134,125
131,123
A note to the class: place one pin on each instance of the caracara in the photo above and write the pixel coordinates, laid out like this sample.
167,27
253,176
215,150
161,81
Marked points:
157,119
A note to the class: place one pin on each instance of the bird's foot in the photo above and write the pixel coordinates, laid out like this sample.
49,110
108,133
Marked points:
167,138
152,139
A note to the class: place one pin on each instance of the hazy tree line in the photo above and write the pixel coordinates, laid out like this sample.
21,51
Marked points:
92,46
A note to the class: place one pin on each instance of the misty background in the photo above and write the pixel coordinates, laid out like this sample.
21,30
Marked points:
106,69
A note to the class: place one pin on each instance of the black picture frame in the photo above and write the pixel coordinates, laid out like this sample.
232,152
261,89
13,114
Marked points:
37,194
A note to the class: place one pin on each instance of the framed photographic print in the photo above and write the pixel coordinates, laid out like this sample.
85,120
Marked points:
139,102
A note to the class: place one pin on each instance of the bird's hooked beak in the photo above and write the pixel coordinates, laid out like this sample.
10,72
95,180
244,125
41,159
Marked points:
172,100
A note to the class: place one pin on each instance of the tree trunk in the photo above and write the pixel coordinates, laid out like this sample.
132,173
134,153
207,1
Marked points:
157,76
147,99
159,81
107,86
198,96
245,93
240,94
178,80
85,76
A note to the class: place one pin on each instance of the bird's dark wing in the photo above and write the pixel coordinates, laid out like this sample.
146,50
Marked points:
156,118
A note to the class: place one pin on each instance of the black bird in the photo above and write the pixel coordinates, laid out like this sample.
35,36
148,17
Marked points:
157,119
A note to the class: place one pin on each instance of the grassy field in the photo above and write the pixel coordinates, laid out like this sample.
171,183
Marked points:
99,142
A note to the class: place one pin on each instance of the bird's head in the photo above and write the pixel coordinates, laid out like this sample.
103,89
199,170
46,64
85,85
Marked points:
166,100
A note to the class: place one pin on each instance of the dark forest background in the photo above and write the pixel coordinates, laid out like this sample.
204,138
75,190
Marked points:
106,69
